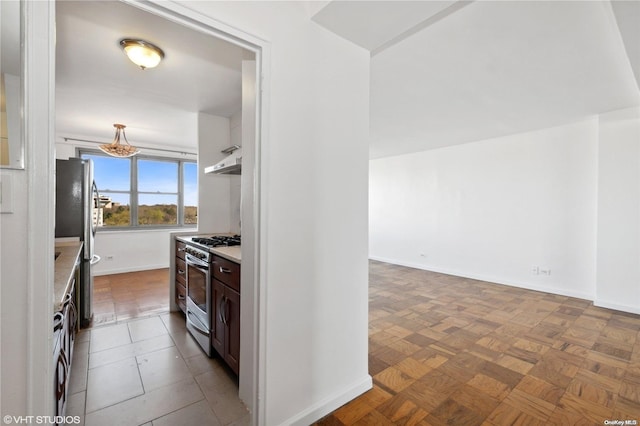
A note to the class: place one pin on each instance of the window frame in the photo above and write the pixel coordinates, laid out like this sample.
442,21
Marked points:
134,193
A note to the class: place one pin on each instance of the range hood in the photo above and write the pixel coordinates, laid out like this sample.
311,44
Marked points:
230,165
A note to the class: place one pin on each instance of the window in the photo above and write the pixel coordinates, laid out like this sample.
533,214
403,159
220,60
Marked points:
143,192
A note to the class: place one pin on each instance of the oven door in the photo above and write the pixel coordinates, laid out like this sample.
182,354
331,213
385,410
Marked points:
199,301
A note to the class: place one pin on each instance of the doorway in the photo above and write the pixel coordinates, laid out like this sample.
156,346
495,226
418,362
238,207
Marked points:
251,345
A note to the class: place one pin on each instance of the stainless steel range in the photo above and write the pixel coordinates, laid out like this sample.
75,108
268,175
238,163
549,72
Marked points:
199,272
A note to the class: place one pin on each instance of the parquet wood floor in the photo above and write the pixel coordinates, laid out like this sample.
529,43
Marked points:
445,350
119,297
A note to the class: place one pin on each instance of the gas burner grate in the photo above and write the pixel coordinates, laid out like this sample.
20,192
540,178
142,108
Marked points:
218,241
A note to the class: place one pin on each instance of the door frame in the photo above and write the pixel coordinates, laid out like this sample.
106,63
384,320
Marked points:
40,126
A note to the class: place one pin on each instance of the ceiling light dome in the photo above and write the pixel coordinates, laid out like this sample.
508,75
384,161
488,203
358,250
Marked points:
142,53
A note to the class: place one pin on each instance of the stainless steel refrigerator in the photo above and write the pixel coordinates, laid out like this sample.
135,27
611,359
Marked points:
77,210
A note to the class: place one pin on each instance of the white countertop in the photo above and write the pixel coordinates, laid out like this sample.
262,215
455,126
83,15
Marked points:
64,268
232,253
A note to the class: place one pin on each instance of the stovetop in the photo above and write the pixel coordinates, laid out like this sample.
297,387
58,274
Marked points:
217,241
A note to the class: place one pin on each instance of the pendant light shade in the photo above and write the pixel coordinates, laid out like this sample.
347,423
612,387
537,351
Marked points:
115,148
142,53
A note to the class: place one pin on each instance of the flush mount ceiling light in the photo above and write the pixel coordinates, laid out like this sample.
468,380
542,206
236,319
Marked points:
115,148
142,53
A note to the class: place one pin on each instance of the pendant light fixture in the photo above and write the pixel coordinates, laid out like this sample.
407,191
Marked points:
142,53
115,148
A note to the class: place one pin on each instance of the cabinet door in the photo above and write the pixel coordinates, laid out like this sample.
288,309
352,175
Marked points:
232,319
217,312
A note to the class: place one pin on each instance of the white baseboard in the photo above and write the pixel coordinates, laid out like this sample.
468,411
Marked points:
616,306
130,269
491,279
329,404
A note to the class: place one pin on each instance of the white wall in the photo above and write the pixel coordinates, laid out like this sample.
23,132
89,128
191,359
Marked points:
619,211
315,330
235,125
13,297
214,191
314,290
493,209
26,261
128,251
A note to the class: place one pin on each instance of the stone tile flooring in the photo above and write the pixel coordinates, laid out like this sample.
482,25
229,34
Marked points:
150,372
445,350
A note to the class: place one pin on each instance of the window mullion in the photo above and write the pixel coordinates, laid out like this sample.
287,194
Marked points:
157,193
134,192
180,193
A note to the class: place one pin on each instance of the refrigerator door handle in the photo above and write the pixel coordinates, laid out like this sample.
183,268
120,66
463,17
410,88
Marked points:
95,259
95,193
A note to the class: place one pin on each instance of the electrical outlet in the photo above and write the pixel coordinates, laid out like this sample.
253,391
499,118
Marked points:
545,271
108,257
535,270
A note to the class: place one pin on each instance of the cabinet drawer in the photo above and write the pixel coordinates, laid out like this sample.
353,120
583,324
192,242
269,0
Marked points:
227,272
181,297
180,246
181,271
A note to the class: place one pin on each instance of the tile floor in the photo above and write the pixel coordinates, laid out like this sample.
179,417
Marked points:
150,372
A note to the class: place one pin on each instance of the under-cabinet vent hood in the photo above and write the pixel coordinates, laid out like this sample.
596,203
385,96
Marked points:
231,165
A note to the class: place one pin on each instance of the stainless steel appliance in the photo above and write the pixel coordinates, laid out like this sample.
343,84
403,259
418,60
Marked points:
230,165
199,296
199,260
77,213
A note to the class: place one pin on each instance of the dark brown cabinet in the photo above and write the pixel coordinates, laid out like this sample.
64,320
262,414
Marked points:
225,298
181,277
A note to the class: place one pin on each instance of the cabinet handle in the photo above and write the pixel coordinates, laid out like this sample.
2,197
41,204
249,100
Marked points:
181,297
61,382
180,272
181,249
221,313
58,319
226,311
225,270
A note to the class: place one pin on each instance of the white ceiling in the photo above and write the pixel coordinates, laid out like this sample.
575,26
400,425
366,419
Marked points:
442,72
373,24
488,69
96,85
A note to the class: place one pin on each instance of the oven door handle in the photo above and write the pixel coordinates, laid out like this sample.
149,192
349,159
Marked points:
197,263
195,323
